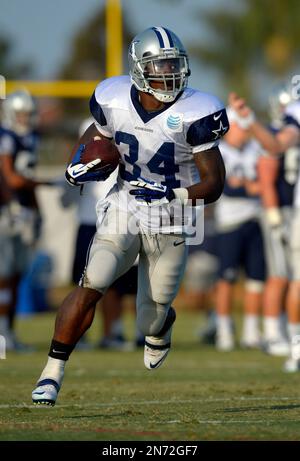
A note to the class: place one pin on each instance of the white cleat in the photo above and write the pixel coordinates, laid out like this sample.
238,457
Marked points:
277,347
292,364
157,348
45,393
154,355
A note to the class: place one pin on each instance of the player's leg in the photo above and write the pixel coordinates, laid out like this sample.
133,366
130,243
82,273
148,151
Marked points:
254,263
7,267
274,339
110,255
229,248
161,268
113,327
199,281
84,238
293,298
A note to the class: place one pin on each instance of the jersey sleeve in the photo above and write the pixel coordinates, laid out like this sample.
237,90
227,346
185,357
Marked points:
205,133
98,113
7,144
292,115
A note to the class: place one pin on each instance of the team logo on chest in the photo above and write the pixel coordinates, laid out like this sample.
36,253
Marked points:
175,122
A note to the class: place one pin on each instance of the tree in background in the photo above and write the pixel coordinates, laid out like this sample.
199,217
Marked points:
87,57
7,68
253,39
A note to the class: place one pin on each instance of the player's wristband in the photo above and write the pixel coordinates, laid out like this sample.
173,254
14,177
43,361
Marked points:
181,194
273,216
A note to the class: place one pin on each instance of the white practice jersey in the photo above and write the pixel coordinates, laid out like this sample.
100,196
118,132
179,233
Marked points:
292,117
158,146
235,206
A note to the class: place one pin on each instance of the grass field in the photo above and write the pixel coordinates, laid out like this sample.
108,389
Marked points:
198,394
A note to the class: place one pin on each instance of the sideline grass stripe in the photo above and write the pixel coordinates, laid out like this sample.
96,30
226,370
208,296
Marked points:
153,402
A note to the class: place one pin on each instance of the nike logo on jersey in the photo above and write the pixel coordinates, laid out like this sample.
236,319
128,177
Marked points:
216,117
178,242
57,352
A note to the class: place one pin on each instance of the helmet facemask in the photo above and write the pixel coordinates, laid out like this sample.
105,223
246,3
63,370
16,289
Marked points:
165,77
158,69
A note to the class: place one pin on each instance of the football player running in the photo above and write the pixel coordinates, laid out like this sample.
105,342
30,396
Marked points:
276,143
239,241
20,217
278,176
167,135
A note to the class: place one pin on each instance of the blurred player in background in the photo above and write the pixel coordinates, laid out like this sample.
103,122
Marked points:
167,136
276,144
240,243
278,177
112,302
18,159
201,276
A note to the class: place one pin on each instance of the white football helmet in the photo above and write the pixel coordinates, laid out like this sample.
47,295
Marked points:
279,98
157,55
19,112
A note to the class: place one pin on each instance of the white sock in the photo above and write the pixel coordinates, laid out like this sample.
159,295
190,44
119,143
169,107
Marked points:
272,328
224,325
54,369
293,330
251,327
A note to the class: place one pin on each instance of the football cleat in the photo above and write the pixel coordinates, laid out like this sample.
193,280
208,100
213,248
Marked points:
292,364
277,347
45,393
157,348
154,355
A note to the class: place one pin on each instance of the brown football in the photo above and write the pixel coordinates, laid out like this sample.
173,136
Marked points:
103,149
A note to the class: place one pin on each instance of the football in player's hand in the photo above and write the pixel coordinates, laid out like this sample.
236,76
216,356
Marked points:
103,149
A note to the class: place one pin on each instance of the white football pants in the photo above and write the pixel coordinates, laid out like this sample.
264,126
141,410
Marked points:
162,259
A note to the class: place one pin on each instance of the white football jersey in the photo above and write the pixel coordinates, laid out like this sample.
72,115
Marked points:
292,117
157,146
235,206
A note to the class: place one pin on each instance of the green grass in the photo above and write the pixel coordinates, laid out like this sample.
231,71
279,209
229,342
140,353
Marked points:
198,394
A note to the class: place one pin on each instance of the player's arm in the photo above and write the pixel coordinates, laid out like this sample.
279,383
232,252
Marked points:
13,179
212,172
203,138
211,169
78,173
267,169
275,144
